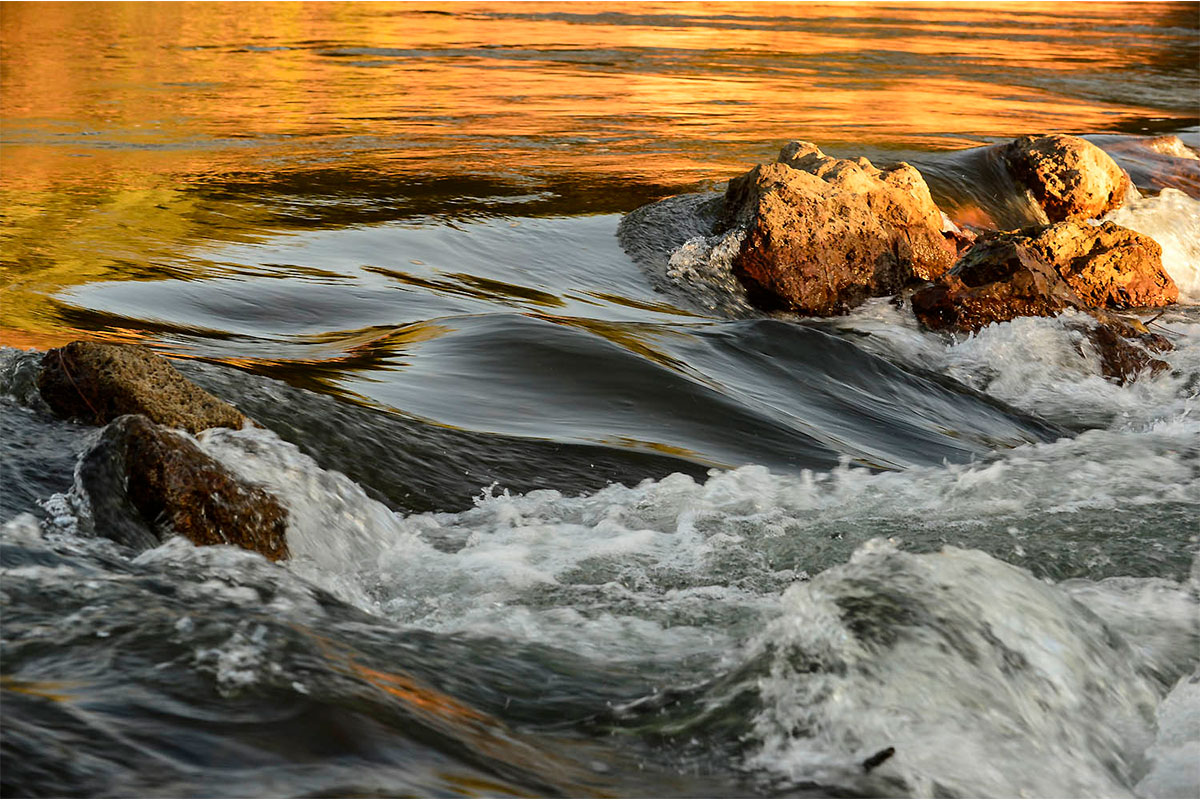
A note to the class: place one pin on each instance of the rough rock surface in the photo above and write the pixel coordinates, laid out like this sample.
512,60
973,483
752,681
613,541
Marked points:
145,482
99,382
1041,271
824,234
1071,178
1107,265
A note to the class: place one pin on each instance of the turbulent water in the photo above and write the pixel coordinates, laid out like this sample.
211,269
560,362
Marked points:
566,515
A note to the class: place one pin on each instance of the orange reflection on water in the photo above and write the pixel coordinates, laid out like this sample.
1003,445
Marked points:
132,130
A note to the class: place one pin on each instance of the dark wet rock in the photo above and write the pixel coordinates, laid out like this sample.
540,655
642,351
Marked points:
97,383
1041,271
1121,358
824,234
146,482
961,239
1071,178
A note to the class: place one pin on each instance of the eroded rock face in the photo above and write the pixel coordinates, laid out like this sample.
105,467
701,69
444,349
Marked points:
824,234
145,482
98,382
1041,271
1071,178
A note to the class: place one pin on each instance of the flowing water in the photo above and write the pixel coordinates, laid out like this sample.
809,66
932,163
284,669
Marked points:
566,515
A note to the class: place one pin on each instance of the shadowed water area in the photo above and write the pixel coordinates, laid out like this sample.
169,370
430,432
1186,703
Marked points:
568,517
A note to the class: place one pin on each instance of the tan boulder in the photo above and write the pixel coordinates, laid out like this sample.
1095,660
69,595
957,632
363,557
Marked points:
99,382
824,234
1107,265
1071,178
146,482
1041,271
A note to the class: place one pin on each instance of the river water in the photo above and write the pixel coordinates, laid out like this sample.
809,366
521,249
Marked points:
566,515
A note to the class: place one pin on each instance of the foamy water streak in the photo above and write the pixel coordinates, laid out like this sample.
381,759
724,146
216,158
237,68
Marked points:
986,681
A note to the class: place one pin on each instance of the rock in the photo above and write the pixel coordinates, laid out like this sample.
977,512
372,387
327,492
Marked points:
824,234
145,482
1040,271
1043,270
1120,358
1107,265
1071,178
99,382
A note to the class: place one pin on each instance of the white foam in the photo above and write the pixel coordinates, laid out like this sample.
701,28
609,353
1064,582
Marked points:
1042,365
987,682
701,269
1175,754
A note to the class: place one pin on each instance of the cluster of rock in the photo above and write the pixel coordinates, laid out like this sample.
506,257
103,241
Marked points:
145,478
824,234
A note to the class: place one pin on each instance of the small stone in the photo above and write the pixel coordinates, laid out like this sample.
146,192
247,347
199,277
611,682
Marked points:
97,382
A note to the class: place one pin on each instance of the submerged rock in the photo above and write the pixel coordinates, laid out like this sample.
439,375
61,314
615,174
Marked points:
99,382
145,482
1120,358
1071,178
824,234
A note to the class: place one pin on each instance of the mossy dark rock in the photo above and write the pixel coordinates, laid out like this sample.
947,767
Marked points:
146,482
96,383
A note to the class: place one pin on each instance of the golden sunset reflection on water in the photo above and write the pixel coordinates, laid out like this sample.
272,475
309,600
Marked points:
138,133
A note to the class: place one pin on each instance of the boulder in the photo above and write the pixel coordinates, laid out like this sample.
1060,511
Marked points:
1043,270
146,482
824,234
1071,178
98,382
1107,265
